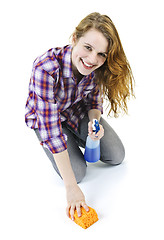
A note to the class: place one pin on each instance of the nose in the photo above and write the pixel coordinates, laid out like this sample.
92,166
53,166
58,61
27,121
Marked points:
93,58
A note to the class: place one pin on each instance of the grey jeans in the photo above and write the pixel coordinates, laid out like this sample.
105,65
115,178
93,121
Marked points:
111,148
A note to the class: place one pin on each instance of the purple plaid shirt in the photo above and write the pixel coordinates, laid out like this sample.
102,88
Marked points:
56,96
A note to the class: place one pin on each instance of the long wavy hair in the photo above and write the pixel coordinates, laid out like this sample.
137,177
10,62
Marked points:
114,77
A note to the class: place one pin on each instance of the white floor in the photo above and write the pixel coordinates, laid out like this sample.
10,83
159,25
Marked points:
128,198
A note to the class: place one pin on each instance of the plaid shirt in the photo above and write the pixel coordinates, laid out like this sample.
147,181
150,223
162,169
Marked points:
56,96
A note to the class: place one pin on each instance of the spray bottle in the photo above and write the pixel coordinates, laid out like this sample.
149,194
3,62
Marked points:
92,148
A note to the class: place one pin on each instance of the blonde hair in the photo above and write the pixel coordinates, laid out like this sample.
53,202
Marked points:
114,77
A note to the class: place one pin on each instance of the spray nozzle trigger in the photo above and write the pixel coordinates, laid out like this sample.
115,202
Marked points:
95,126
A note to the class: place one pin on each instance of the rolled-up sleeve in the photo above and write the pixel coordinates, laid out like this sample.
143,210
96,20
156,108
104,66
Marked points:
47,112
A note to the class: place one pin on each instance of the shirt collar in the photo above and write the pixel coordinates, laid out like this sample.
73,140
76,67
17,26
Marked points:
67,62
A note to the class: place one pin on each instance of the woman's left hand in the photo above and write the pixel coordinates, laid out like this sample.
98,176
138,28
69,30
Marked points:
96,136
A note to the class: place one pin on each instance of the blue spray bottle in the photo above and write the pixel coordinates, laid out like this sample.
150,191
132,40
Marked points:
92,148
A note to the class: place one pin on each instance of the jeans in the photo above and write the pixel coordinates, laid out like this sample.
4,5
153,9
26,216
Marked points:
111,148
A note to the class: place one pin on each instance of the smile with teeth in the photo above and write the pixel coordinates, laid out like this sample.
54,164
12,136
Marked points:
86,65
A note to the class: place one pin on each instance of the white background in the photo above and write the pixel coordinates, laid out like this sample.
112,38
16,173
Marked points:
128,198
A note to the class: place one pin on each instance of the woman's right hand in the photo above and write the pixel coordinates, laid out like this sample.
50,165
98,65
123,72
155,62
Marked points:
96,136
75,200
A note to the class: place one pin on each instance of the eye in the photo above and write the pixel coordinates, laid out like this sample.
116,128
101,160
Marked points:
88,48
104,55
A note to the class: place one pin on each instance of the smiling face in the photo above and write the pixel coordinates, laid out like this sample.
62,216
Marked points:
89,52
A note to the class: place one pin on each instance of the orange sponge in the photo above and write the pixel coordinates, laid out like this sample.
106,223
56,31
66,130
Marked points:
87,218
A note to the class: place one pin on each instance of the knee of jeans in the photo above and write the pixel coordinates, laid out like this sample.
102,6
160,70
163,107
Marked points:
116,158
79,175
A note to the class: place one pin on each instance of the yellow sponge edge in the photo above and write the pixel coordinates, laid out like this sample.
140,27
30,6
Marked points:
87,218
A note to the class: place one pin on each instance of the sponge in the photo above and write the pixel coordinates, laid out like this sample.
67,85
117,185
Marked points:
87,218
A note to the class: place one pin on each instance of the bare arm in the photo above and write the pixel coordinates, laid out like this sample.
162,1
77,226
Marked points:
75,197
63,163
94,113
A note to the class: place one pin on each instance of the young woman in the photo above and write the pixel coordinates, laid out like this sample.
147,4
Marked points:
66,92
